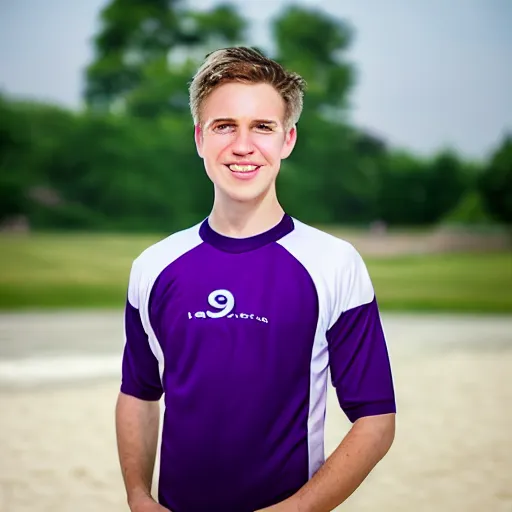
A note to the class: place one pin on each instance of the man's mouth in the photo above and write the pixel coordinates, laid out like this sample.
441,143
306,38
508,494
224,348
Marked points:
243,168
244,171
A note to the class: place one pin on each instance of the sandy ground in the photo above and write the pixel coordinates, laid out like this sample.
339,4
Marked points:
453,450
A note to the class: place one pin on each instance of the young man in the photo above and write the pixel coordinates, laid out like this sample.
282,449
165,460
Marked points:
236,321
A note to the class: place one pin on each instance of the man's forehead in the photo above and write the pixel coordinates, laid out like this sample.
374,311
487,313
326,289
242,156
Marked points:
244,103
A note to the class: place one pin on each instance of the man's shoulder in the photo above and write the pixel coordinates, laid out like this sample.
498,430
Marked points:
168,249
336,266
323,246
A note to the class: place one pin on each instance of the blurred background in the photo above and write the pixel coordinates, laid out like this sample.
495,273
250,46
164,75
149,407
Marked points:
405,150
405,140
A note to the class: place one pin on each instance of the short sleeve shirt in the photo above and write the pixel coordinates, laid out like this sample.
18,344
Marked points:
240,337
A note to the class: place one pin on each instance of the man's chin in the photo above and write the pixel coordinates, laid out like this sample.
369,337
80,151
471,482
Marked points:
244,194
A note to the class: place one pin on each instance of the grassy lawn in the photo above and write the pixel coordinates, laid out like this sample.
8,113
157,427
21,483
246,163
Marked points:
78,271
444,282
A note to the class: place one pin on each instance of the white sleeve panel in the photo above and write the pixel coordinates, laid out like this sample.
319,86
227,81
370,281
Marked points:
145,271
337,269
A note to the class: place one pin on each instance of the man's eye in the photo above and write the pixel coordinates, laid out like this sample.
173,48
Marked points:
223,127
264,127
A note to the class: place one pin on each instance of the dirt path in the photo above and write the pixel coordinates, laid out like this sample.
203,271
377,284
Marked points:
453,451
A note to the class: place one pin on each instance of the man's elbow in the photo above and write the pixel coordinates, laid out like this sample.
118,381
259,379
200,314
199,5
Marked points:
381,429
388,434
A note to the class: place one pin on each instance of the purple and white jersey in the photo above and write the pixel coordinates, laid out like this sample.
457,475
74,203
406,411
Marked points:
238,335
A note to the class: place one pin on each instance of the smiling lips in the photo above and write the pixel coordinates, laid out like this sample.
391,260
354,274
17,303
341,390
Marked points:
244,171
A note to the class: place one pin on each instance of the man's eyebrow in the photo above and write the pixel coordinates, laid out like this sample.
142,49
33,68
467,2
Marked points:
220,120
217,120
265,121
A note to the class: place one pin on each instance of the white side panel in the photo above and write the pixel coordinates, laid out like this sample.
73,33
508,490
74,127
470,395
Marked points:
145,271
335,268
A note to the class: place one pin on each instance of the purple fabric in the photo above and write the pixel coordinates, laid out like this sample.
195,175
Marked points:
236,322
140,375
237,387
359,363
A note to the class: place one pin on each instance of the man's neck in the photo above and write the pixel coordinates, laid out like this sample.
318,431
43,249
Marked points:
242,220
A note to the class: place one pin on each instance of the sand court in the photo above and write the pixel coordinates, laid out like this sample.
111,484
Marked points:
453,450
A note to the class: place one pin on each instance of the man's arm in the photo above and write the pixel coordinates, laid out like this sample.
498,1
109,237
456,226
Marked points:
137,423
361,375
363,447
137,410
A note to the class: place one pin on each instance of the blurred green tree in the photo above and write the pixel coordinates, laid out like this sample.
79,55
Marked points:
147,50
14,149
402,189
445,186
30,136
132,33
128,161
495,183
324,179
314,43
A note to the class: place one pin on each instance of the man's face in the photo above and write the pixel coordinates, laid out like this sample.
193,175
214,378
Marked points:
242,139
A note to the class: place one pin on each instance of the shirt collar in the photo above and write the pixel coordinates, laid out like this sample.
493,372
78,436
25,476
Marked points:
239,245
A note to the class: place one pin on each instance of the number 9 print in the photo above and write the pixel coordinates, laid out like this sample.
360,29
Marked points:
223,300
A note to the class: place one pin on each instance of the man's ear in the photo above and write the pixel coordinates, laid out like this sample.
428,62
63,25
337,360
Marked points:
198,137
289,142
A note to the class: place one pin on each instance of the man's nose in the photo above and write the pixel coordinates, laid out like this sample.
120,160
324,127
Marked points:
243,145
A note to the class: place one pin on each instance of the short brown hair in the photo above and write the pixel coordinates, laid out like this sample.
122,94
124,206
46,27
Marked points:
246,65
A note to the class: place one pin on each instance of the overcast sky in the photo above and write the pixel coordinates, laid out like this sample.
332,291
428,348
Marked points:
432,73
